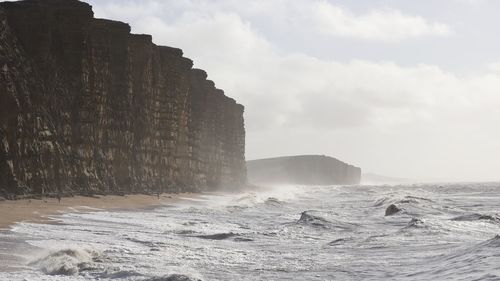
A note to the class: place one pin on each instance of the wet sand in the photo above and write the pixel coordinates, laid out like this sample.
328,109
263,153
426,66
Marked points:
34,210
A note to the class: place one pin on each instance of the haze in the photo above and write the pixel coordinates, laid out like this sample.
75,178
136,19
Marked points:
401,88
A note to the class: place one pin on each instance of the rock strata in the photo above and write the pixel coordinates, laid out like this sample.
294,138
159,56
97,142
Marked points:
88,107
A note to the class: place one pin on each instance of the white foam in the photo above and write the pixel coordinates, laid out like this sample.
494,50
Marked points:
64,262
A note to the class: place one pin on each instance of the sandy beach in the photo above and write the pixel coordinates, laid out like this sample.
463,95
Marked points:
34,210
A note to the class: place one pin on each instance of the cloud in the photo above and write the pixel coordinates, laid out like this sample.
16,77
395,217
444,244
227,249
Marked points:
472,2
385,25
375,114
304,16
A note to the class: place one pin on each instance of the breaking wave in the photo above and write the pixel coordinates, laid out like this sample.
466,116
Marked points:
323,220
313,233
65,262
478,217
174,277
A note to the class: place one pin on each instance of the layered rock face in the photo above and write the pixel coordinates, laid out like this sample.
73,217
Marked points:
304,170
87,107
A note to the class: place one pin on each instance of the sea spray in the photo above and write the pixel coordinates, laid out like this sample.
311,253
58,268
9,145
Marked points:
446,232
65,262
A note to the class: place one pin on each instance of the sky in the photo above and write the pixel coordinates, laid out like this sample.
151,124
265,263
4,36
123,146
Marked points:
400,88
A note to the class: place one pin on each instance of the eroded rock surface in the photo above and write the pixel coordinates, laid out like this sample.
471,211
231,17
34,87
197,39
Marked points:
88,107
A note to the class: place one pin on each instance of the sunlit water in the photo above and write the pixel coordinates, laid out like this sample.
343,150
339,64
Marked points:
443,232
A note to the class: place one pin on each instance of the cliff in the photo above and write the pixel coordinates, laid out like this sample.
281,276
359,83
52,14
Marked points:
304,170
88,107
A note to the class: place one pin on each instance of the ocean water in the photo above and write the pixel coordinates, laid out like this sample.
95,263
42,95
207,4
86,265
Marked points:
442,232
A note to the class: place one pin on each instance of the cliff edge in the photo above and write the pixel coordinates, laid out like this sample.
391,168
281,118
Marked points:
304,170
88,107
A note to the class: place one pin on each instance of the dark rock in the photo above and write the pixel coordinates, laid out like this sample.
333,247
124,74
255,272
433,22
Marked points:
391,210
305,169
86,107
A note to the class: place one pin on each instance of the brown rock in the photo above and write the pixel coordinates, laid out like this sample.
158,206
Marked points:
87,107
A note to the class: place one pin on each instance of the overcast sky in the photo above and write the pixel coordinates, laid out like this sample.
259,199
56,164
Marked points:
400,88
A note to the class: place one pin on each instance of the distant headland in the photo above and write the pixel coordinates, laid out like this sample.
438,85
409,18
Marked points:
303,169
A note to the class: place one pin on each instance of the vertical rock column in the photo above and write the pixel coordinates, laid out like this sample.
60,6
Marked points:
146,147
31,159
52,33
161,91
174,113
217,136
110,91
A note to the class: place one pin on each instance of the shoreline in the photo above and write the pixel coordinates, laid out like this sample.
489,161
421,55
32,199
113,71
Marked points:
39,210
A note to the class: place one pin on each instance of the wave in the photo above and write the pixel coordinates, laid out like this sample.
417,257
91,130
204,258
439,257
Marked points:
271,201
307,217
223,236
65,262
174,277
471,263
412,206
408,199
416,223
491,243
153,245
271,196
382,201
121,275
314,218
478,217
415,199
320,235
184,232
340,241
217,236
253,199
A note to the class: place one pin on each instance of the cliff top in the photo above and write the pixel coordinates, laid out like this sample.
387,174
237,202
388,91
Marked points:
72,9
46,3
310,157
64,4
112,24
302,169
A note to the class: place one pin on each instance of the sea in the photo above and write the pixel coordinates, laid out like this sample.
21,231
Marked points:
367,232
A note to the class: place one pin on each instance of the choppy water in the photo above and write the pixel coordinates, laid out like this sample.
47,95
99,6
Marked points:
443,232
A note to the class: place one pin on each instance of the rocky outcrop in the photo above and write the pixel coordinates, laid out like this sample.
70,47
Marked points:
392,209
87,107
304,169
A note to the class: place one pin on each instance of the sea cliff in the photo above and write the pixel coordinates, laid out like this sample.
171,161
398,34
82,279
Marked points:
303,170
87,107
